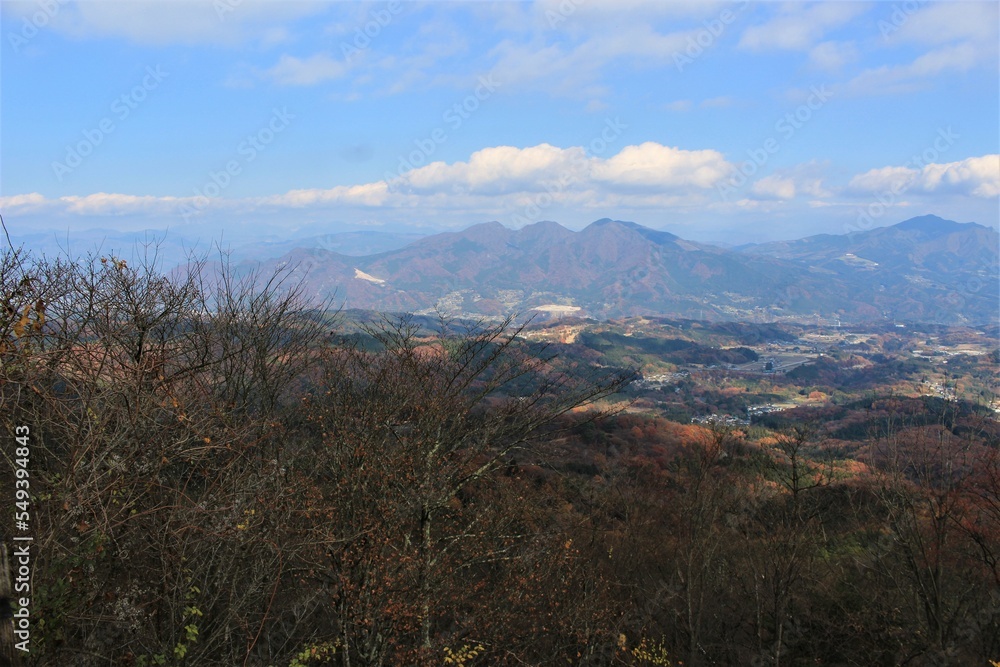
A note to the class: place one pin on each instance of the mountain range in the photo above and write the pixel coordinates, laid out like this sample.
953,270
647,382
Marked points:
173,247
925,269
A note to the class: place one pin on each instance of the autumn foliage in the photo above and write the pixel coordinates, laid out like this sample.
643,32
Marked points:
218,481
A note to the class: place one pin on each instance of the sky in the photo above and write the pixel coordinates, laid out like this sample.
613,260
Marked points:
718,121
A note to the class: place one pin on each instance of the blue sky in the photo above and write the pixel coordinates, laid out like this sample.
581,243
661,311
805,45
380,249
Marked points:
724,122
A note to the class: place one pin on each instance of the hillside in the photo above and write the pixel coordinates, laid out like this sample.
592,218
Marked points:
925,269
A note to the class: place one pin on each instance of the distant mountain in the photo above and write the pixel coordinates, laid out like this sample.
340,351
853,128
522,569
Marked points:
166,248
173,247
897,241
924,269
346,243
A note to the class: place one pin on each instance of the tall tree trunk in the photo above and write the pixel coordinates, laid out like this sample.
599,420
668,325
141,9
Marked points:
425,577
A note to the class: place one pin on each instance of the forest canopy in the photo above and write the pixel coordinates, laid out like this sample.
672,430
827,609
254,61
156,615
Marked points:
221,473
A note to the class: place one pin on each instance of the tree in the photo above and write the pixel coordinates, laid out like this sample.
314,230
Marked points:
154,407
933,488
415,431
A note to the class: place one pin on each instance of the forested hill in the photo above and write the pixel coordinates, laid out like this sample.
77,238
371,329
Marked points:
210,474
922,270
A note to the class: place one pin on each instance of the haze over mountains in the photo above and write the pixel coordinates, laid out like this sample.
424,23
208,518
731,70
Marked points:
174,247
925,269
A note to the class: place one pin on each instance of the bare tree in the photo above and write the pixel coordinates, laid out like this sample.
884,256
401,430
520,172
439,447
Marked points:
411,427
151,493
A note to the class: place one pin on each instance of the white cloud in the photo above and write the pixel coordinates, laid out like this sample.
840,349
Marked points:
885,178
964,35
651,165
504,180
573,68
507,170
292,71
788,184
800,27
529,55
914,76
98,203
562,47
960,57
720,102
679,105
594,15
369,194
832,56
158,22
104,203
976,176
498,170
979,176
814,188
274,36
417,63
944,22
29,201
774,187
500,178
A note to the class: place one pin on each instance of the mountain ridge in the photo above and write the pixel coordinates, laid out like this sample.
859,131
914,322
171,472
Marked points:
923,269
